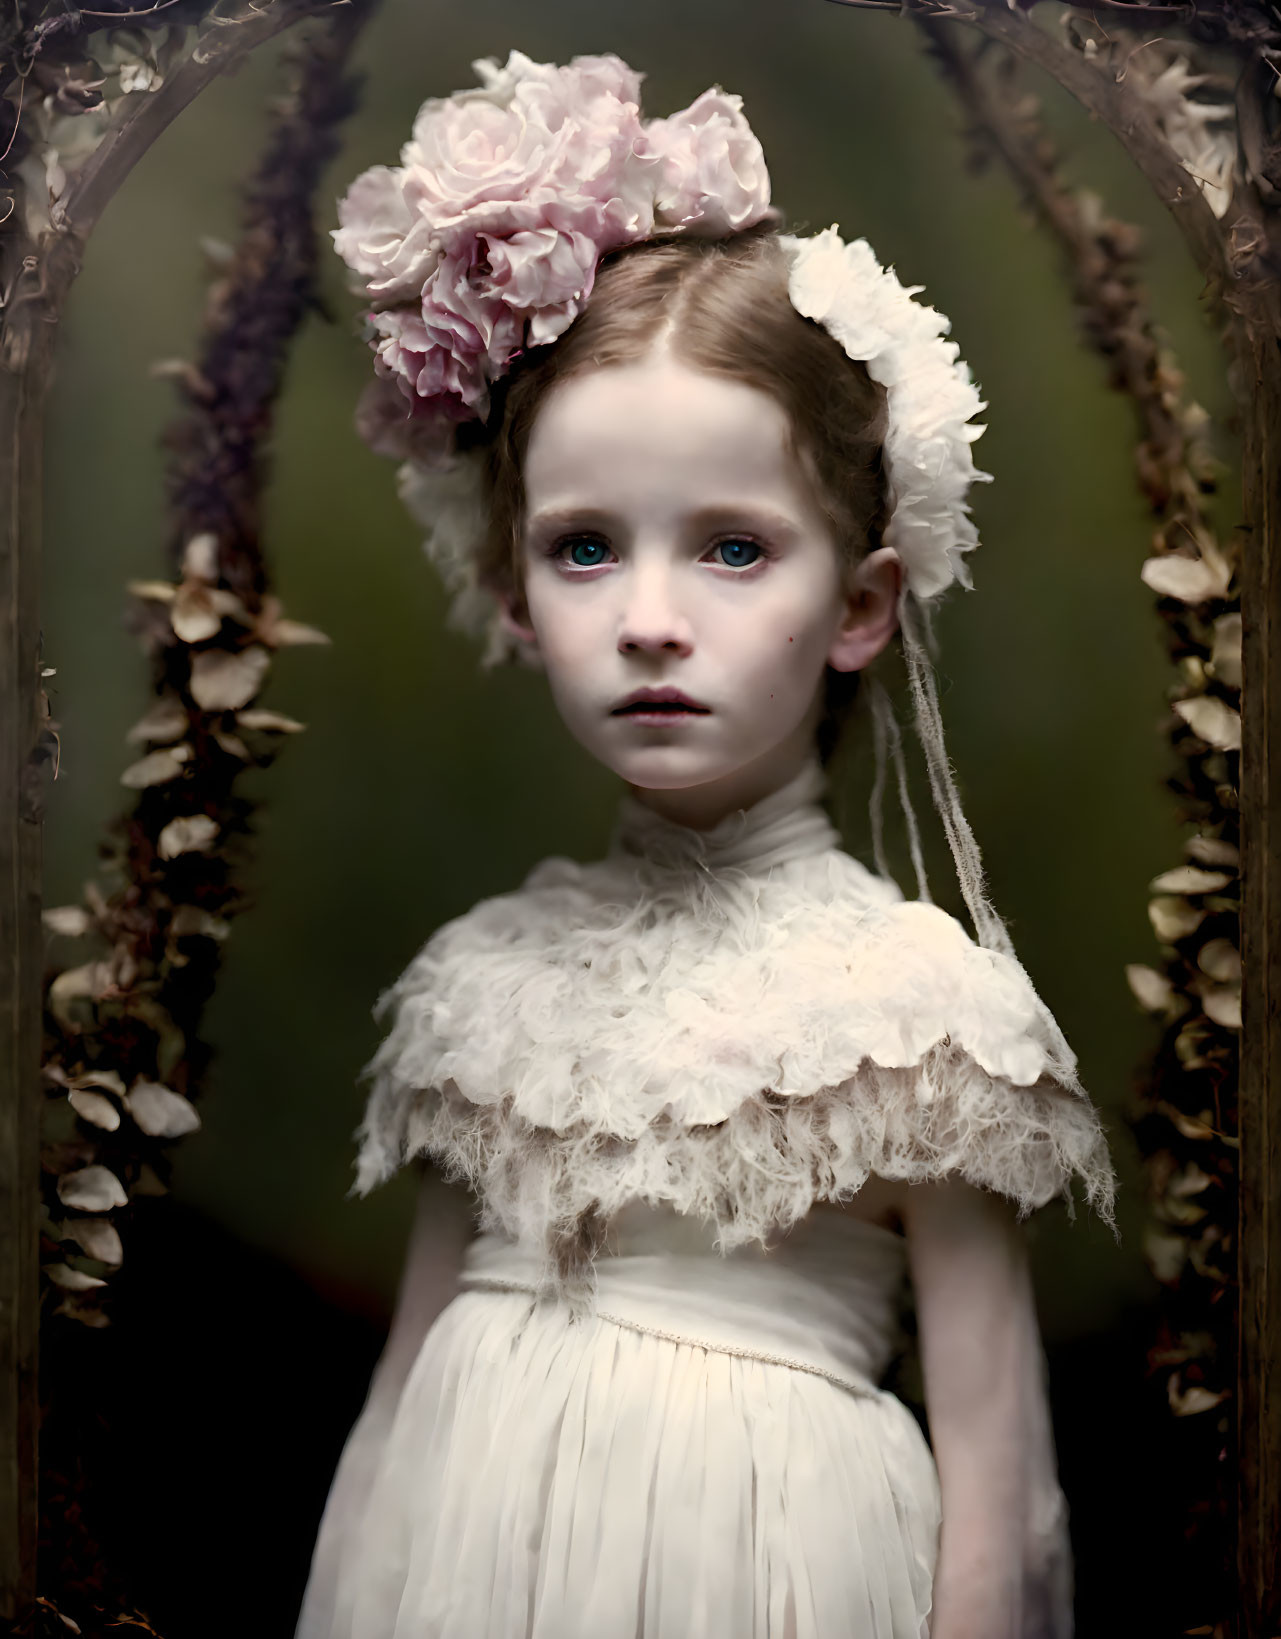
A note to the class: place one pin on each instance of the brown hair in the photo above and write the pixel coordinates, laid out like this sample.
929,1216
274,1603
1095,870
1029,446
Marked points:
727,303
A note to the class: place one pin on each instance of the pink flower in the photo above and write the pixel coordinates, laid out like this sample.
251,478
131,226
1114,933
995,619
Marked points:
534,140
714,179
457,340
381,238
540,267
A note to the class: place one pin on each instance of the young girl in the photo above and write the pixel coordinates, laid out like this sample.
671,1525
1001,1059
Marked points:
720,1094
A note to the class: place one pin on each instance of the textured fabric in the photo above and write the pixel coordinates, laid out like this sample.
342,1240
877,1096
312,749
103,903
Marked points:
736,1022
658,1474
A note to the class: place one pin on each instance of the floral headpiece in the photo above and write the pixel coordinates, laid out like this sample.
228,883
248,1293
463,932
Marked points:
483,243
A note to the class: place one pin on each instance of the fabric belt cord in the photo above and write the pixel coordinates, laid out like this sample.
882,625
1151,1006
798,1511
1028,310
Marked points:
489,1283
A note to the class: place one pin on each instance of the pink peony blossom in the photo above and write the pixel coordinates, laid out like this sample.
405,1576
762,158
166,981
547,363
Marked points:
539,267
534,137
714,179
383,239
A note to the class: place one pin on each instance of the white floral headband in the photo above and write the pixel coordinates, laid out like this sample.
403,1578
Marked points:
484,242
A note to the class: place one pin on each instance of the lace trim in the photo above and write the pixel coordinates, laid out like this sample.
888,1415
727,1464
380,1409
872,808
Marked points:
760,1169
734,1045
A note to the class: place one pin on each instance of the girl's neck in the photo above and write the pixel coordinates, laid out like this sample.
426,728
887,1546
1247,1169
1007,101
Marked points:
785,824
701,807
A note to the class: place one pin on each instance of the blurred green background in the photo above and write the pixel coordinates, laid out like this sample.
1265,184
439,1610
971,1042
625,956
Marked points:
422,784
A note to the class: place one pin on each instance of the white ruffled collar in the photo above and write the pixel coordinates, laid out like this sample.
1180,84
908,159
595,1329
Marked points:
787,824
735,1023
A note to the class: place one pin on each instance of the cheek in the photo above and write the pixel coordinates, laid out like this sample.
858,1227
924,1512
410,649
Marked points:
787,639
568,624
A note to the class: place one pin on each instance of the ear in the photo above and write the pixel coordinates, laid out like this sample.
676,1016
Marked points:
514,617
869,615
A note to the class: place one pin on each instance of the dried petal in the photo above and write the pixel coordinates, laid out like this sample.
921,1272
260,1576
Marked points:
91,1189
188,920
98,1236
109,1079
159,1111
225,681
92,980
1188,1402
1189,879
157,591
1220,959
1191,580
1222,1003
258,717
156,767
1225,655
1187,1046
200,557
167,720
71,1280
1173,919
233,745
1190,1126
192,616
1213,851
1180,1211
226,602
94,1107
293,631
72,920
191,833
1152,990
1213,721
1191,1181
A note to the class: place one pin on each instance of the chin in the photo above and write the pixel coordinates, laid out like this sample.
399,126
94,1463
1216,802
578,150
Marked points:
672,768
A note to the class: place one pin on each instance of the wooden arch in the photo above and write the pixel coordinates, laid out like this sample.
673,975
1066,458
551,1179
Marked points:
1231,757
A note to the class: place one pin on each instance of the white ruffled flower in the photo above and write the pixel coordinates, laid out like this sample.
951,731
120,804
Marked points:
931,395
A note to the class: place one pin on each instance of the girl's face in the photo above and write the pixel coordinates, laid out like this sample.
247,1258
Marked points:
674,549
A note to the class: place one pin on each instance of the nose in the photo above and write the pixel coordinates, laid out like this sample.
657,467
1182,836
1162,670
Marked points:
651,620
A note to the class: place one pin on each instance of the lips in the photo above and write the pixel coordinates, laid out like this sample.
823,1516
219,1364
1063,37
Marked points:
661,703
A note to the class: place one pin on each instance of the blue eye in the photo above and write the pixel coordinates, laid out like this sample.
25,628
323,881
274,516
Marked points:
734,551
583,552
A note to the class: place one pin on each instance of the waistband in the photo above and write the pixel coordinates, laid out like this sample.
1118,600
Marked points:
751,1309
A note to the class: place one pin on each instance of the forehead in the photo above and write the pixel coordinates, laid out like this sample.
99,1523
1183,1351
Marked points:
660,428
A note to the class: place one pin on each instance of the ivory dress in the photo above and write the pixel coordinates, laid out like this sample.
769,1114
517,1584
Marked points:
654,1409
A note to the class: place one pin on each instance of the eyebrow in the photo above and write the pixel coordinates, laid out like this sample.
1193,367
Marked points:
765,518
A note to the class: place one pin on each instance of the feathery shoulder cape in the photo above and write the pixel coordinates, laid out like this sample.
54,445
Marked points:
736,1022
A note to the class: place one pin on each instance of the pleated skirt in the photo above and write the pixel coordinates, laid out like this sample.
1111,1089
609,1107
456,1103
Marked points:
546,1478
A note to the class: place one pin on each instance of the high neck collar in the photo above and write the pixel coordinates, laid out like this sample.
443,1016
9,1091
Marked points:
787,824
